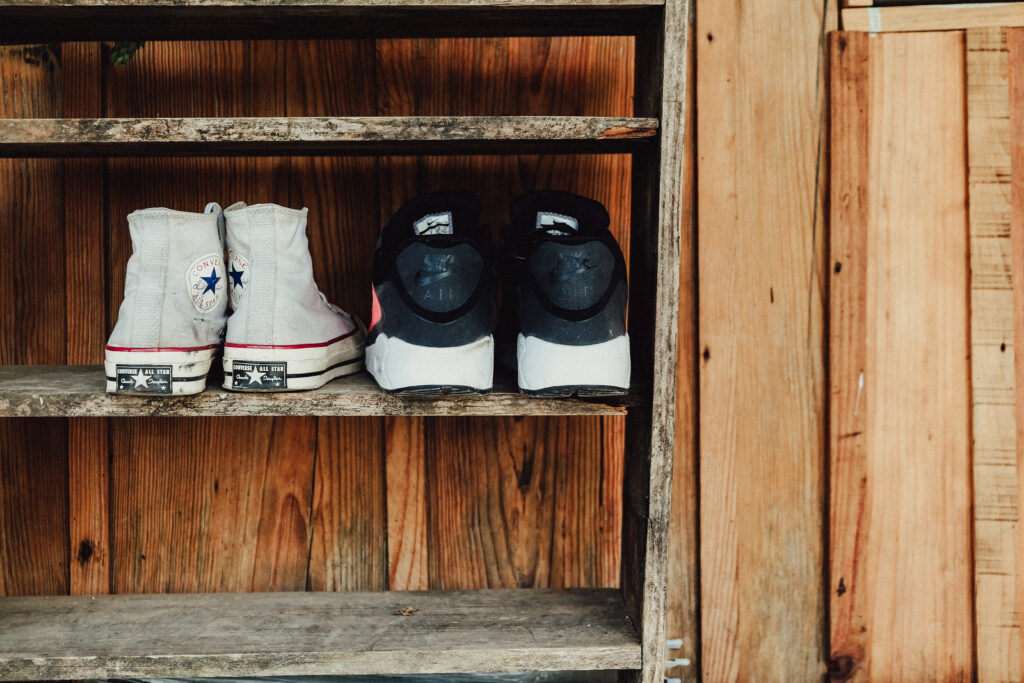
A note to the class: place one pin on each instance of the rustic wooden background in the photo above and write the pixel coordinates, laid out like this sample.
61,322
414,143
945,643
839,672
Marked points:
860,544
97,505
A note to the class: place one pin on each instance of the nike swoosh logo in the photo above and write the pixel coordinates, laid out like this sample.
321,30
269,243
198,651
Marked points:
563,276
422,280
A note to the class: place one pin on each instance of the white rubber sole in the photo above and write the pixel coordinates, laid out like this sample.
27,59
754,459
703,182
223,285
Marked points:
558,369
268,368
157,372
403,367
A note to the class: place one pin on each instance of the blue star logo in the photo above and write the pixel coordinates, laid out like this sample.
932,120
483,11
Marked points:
211,282
236,276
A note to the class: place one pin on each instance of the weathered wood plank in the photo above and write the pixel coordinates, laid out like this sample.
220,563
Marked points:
281,634
761,89
350,532
1015,46
79,391
33,457
322,135
88,455
997,617
901,575
934,17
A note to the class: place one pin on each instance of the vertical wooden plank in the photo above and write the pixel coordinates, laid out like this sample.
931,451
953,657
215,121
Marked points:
33,454
514,502
1015,47
406,471
335,78
761,127
349,550
997,618
681,602
88,467
900,432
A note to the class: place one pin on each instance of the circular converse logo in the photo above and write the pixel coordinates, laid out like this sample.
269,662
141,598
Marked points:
205,282
238,276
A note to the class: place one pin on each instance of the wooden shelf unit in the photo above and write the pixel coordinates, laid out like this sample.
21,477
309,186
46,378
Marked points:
79,391
74,637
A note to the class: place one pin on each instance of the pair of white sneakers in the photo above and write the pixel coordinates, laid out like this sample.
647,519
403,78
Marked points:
282,334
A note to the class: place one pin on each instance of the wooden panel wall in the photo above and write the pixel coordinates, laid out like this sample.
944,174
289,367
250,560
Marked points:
291,503
761,131
993,387
901,571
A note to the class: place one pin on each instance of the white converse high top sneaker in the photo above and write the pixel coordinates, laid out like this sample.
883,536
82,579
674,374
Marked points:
175,303
282,335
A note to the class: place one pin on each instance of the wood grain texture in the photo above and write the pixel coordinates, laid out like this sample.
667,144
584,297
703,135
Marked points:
761,89
934,17
997,617
88,454
514,502
33,456
312,135
682,609
1015,48
231,635
900,384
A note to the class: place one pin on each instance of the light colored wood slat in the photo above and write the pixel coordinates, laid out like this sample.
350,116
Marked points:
933,17
280,634
761,90
901,577
1015,48
994,430
78,391
298,134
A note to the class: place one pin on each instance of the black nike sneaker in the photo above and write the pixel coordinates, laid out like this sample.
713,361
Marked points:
433,299
568,279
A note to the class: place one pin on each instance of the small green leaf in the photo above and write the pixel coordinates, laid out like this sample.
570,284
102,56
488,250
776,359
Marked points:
124,50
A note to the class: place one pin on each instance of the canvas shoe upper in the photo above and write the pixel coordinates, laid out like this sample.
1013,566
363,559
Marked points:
433,290
283,334
567,277
172,318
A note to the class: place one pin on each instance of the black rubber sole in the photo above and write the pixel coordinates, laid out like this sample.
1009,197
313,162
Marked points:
576,391
436,390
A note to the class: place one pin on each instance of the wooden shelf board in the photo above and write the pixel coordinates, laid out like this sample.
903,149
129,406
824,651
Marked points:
317,135
933,17
289,634
79,391
23,21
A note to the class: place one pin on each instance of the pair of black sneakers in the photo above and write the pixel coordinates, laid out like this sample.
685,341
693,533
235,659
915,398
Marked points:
434,277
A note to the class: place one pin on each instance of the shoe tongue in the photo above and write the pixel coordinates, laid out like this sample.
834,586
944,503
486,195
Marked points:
435,214
558,213
439,223
556,223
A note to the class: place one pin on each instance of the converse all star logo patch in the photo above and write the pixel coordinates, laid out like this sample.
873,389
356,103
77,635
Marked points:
238,276
144,379
257,375
205,282
434,224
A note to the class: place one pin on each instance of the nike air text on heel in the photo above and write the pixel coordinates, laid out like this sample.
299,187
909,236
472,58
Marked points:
548,369
155,372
